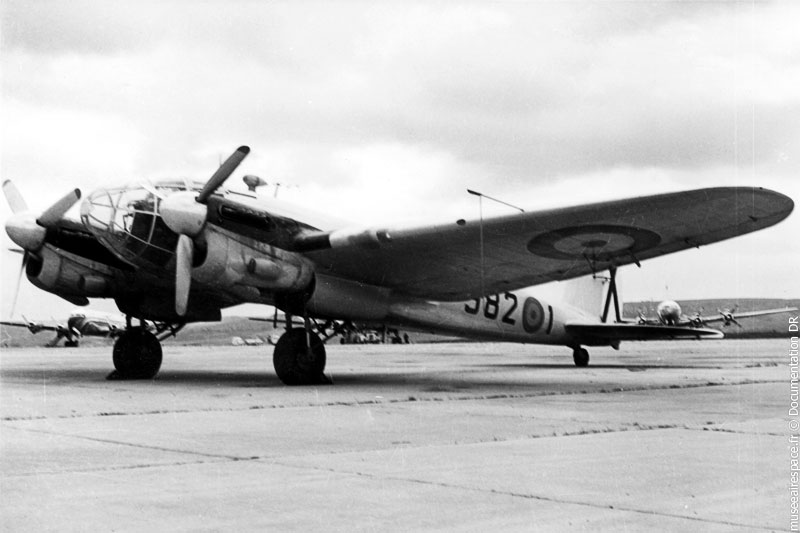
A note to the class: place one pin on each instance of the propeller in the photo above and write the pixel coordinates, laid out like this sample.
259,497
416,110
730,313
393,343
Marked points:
697,319
728,316
184,255
29,231
185,214
22,268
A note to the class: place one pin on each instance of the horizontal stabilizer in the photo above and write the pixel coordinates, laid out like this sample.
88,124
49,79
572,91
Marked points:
590,333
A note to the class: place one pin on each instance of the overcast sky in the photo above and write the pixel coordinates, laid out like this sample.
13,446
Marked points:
385,112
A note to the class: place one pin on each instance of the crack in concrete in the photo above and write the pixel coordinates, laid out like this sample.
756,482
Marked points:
390,401
116,468
526,496
285,461
137,445
737,431
277,459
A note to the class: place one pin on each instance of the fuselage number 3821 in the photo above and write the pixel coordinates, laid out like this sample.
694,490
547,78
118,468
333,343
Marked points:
494,307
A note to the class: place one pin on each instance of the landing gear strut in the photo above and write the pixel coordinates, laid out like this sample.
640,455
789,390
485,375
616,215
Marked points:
137,355
580,356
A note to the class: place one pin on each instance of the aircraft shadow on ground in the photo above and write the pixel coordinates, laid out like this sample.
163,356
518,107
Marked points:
609,366
459,378
74,376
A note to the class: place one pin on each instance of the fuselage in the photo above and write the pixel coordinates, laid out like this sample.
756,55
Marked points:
247,262
669,312
513,316
94,325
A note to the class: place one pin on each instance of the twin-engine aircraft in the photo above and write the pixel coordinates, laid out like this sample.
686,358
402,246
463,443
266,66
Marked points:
79,324
177,251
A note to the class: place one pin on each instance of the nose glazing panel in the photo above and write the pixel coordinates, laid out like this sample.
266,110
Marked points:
127,222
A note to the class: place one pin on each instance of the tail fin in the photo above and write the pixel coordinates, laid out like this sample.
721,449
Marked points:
588,294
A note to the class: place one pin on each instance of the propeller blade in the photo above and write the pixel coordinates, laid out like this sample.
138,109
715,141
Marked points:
56,211
149,187
184,255
223,173
15,200
19,280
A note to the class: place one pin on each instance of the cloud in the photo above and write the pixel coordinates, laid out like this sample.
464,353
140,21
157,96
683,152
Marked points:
394,109
509,86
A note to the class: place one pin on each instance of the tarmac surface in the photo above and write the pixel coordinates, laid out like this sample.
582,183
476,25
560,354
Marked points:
680,436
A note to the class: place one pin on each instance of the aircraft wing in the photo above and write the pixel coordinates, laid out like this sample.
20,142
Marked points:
724,318
594,333
33,326
445,262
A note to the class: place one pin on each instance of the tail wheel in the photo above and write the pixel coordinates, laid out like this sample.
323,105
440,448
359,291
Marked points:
137,354
294,363
581,357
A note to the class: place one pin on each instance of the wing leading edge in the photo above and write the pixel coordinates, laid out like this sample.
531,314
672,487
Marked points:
34,327
444,261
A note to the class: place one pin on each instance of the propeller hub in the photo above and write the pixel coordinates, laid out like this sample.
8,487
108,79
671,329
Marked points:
182,214
23,230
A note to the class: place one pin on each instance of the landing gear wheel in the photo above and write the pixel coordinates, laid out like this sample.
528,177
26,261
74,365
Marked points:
137,355
70,344
294,363
581,357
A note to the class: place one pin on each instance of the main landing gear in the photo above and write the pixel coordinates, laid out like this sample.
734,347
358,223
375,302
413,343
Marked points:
137,354
299,356
137,351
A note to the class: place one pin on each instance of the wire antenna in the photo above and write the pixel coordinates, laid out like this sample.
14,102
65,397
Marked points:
483,259
481,196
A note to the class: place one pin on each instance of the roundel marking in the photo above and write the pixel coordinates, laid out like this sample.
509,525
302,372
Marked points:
595,241
532,315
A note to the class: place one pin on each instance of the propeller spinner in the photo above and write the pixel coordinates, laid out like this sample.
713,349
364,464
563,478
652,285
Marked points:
186,214
29,231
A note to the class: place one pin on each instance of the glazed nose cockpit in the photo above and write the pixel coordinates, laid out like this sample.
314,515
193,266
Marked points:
127,221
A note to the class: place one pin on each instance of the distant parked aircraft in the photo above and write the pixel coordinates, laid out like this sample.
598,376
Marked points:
79,324
669,313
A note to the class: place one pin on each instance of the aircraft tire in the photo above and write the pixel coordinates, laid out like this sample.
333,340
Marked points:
292,361
581,357
137,354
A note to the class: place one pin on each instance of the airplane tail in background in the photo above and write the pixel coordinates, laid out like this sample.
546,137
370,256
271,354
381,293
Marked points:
588,294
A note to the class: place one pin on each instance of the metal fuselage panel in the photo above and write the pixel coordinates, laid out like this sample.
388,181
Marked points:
515,316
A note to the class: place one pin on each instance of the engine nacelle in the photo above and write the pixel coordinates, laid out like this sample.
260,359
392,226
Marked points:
93,285
55,273
232,261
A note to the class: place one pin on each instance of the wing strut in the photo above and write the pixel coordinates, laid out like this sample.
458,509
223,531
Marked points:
612,292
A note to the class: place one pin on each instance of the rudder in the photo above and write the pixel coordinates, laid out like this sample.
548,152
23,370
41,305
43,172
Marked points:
588,294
